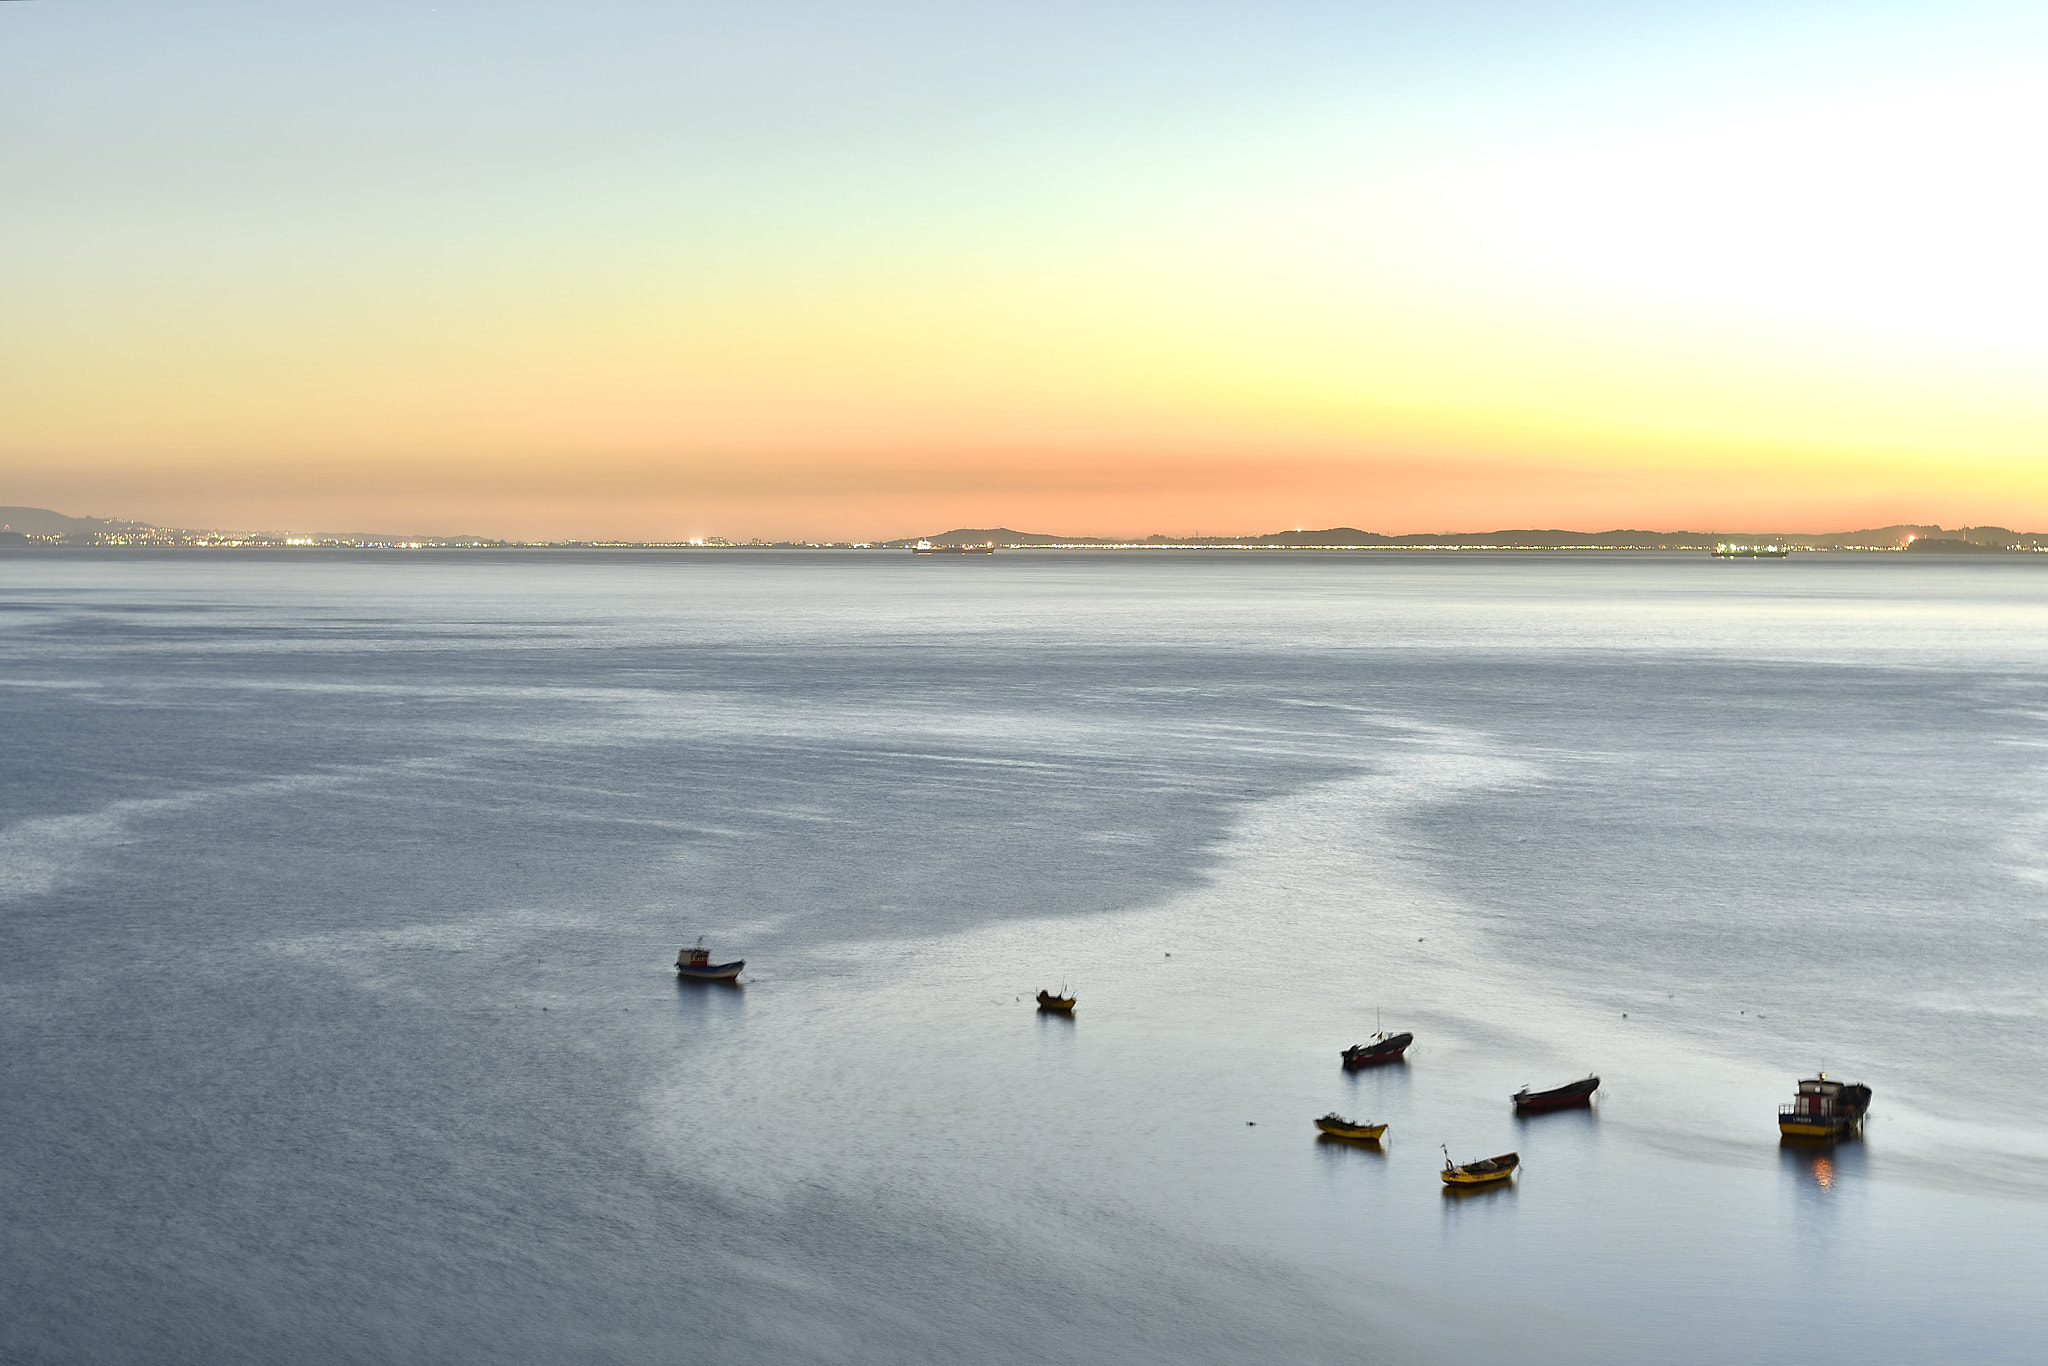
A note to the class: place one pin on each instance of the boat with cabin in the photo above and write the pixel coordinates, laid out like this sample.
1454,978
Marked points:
1529,1102
1490,1171
694,964
1824,1108
1058,1005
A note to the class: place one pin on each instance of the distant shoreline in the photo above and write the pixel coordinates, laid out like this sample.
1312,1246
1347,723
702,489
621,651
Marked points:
45,546
25,527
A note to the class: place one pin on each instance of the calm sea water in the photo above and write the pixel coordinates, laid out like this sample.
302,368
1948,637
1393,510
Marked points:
338,898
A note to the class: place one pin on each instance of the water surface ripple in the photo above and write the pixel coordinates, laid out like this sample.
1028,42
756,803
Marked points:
337,894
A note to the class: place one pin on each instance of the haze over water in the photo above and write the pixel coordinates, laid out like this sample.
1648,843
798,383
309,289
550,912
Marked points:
339,894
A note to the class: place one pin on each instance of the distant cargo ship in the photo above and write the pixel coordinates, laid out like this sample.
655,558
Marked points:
927,548
1728,550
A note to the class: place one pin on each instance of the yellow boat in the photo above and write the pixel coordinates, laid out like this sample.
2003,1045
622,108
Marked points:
1336,1126
1480,1173
1061,1005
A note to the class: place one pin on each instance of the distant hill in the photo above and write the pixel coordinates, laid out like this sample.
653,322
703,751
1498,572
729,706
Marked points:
43,522
28,526
1883,535
1940,545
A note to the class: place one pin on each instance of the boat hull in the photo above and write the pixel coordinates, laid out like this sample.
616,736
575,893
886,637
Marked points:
1378,1054
1355,1133
1056,1005
710,972
1578,1094
1460,1179
1491,1172
1790,1126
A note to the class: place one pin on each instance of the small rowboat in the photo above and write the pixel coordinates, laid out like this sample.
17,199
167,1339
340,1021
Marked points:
696,965
1529,1102
1059,1005
1384,1048
1336,1126
1480,1173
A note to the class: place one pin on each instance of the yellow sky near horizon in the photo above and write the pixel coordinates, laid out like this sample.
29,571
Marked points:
1734,272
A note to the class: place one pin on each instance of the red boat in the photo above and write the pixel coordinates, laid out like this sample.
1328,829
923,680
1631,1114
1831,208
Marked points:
1529,1102
1383,1049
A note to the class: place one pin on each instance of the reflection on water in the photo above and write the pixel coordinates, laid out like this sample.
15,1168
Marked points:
708,998
1578,1119
1499,1190
1389,1080
1823,1167
1330,1145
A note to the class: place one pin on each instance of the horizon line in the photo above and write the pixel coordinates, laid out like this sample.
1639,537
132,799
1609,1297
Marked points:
49,526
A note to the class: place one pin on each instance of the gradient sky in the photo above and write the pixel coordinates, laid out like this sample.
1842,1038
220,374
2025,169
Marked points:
655,270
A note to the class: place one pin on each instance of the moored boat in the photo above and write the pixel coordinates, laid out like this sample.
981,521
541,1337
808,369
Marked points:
1824,1108
1384,1048
696,965
1335,1125
1529,1102
1058,1005
1482,1173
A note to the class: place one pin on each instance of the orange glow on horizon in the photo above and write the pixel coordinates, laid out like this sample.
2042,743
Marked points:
1776,276
845,500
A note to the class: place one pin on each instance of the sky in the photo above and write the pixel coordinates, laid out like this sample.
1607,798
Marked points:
862,270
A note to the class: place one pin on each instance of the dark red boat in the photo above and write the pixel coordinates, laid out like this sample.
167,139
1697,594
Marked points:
1529,1102
1383,1048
